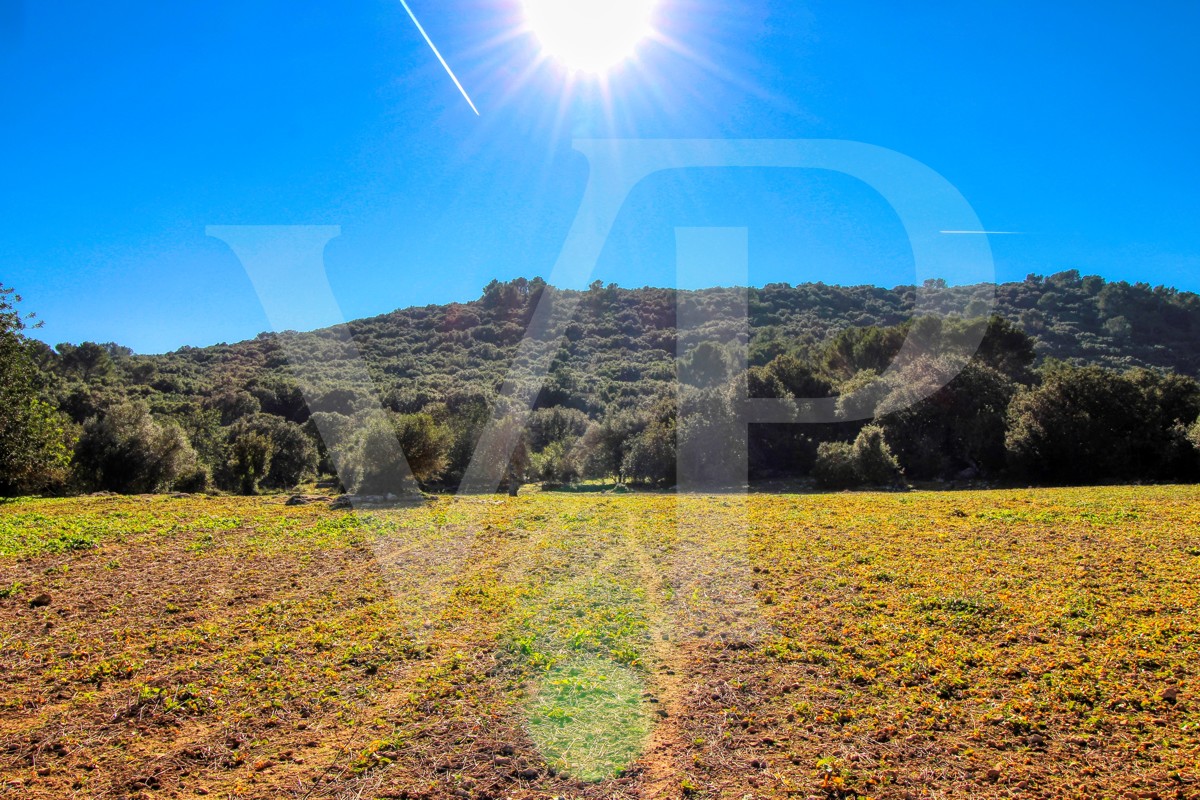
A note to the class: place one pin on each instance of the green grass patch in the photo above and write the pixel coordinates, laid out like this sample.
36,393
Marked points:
588,718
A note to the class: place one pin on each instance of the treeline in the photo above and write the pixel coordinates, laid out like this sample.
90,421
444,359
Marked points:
1077,380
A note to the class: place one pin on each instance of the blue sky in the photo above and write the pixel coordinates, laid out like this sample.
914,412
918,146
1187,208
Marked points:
130,127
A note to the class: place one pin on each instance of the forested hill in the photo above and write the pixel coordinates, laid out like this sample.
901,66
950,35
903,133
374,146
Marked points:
625,337
235,415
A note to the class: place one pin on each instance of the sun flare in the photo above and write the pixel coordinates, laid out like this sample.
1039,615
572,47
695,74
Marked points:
590,35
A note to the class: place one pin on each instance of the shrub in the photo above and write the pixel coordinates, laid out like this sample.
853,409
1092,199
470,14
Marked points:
196,479
872,458
125,450
554,464
834,467
866,462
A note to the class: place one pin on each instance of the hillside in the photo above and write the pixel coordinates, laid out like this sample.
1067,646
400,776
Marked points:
621,344
1077,380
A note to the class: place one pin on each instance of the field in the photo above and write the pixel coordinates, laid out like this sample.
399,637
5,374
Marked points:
1032,643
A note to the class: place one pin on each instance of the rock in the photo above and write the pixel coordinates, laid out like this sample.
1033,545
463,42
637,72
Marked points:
305,499
993,774
371,500
41,601
1170,694
529,774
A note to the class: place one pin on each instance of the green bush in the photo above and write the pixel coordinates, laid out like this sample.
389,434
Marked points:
866,462
196,479
125,450
554,463
873,459
834,467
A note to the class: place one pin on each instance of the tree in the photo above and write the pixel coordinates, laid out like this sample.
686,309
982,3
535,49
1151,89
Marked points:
250,458
293,456
89,361
600,452
234,404
375,460
778,448
551,438
1088,424
35,446
125,450
960,426
855,349
425,444
555,424
333,434
553,463
516,472
651,457
1007,349
710,437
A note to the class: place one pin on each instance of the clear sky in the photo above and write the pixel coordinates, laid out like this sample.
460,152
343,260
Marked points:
127,128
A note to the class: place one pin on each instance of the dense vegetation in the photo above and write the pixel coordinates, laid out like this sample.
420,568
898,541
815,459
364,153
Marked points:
1078,380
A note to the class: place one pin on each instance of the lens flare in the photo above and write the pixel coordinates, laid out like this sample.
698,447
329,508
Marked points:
590,35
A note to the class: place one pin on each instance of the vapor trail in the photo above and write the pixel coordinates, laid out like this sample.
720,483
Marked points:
446,66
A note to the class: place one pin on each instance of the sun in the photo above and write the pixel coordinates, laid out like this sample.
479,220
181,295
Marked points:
590,35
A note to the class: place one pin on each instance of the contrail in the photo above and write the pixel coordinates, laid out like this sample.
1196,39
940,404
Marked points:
990,233
433,47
